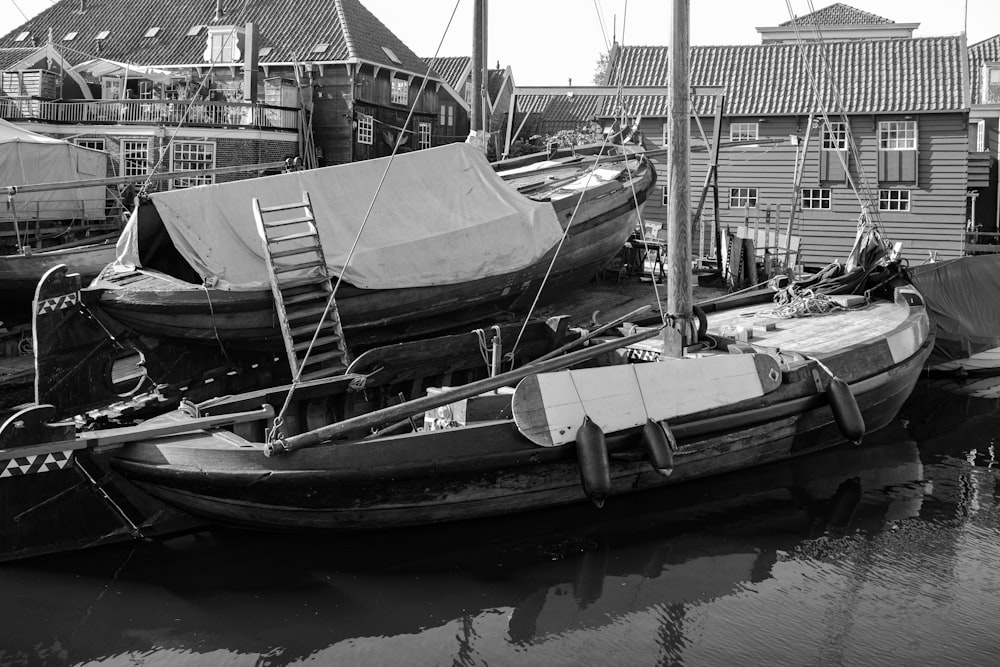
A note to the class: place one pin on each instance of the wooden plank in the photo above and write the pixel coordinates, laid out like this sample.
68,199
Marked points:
549,407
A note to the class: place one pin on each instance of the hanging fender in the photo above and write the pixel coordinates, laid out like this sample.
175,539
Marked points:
660,443
845,410
592,457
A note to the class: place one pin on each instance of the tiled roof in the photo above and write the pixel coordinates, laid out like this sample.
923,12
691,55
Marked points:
561,109
839,14
870,76
293,28
986,51
451,69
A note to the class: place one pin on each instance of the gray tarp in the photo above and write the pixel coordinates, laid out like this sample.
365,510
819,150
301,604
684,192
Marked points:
30,158
961,296
442,216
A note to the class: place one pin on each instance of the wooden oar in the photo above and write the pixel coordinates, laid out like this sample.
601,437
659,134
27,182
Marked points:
599,330
418,405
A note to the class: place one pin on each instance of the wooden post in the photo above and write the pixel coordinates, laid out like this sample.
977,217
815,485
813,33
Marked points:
681,329
478,63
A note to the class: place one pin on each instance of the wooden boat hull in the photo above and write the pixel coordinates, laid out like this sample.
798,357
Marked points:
166,308
489,469
20,273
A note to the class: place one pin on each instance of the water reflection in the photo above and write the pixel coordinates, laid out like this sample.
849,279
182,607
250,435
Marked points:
847,556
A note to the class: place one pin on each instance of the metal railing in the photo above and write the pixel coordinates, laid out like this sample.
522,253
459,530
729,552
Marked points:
151,112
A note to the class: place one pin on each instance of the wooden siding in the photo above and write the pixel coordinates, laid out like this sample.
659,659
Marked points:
331,120
935,222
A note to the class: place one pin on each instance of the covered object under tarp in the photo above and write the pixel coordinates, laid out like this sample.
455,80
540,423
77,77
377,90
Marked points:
27,158
961,296
442,216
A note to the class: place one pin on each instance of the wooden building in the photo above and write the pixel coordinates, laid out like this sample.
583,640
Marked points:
984,138
892,110
190,84
456,72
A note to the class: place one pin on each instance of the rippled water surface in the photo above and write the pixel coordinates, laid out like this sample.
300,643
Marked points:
884,554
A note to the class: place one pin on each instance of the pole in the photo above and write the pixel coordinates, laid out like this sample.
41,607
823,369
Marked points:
418,405
681,329
478,60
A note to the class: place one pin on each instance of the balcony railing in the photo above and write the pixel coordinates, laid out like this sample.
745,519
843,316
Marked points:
150,112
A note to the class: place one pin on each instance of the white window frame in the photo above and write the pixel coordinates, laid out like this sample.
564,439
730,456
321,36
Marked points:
663,134
743,197
192,156
223,44
896,201
133,153
399,91
663,196
816,198
446,115
366,129
423,135
95,143
981,136
897,135
743,131
834,137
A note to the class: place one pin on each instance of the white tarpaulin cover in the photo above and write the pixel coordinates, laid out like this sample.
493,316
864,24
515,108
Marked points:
442,216
29,158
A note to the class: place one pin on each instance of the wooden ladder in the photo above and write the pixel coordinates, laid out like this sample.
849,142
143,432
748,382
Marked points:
292,246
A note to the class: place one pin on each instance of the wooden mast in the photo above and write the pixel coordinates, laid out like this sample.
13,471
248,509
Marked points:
478,65
681,328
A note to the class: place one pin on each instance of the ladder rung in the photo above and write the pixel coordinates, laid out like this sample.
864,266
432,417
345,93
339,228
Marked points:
293,251
320,342
284,268
304,297
292,237
325,356
282,207
307,328
306,311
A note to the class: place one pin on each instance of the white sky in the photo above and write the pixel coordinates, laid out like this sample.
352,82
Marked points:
548,42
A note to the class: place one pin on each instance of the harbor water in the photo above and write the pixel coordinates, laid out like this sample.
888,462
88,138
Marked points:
883,554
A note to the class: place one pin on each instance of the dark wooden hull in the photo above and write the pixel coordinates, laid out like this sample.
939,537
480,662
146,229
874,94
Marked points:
20,273
489,469
181,311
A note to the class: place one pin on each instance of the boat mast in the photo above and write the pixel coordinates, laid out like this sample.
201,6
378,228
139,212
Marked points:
681,328
478,108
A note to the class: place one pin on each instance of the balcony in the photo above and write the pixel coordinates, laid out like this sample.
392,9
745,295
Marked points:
150,112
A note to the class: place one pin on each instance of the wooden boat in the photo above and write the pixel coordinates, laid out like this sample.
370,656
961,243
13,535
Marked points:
460,264
966,320
347,480
711,397
58,493
20,272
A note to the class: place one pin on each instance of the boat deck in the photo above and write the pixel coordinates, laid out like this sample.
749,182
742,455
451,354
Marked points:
813,335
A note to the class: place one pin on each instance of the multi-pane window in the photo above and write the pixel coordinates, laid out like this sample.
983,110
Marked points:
192,156
743,132
400,91
835,137
366,129
135,157
816,198
446,116
897,135
742,197
663,195
96,144
894,200
981,136
664,134
223,45
423,135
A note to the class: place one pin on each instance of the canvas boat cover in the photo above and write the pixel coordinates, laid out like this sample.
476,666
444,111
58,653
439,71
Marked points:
442,216
961,298
27,158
